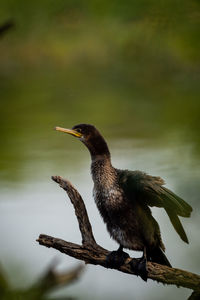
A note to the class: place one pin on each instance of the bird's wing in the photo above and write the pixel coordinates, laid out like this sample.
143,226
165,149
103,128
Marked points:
149,190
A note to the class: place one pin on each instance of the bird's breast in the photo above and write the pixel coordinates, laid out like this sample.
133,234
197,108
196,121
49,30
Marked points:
119,218
108,199
111,204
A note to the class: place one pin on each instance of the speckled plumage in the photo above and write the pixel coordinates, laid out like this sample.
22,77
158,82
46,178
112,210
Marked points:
126,220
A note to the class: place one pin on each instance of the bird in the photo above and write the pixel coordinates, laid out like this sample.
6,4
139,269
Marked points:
124,199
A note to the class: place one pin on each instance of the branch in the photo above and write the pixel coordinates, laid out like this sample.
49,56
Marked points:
80,210
50,280
92,253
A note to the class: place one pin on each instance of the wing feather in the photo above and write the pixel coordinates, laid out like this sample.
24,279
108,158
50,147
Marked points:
149,190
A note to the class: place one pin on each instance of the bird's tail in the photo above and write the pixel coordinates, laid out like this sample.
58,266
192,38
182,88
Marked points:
158,256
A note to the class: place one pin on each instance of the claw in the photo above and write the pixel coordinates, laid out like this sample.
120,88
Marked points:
115,259
139,266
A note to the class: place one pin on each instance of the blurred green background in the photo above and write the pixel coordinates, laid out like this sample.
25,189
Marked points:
132,68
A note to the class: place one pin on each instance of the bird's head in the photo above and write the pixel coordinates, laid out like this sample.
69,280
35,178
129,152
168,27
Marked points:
90,136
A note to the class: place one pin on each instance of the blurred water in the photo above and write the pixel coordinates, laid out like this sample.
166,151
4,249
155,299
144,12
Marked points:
37,205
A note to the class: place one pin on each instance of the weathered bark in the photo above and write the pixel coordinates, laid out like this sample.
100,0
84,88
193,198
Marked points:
92,253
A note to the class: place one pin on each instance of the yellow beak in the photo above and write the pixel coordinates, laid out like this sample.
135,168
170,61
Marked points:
69,131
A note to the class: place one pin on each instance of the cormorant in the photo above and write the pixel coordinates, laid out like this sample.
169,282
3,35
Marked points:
123,198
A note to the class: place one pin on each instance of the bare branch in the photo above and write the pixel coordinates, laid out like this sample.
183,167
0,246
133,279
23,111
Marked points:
97,256
92,253
80,210
50,280
53,279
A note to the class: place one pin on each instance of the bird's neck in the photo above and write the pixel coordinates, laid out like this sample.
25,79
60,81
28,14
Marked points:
103,173
102,170
98,148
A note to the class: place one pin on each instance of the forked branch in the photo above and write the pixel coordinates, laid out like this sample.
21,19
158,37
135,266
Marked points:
92,253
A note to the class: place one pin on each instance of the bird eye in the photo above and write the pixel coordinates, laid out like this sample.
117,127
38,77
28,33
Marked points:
78,130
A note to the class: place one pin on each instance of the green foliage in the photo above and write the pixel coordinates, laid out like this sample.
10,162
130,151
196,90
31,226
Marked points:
117,64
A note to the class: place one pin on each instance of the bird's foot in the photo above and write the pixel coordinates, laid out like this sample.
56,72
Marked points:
116,259
139,266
